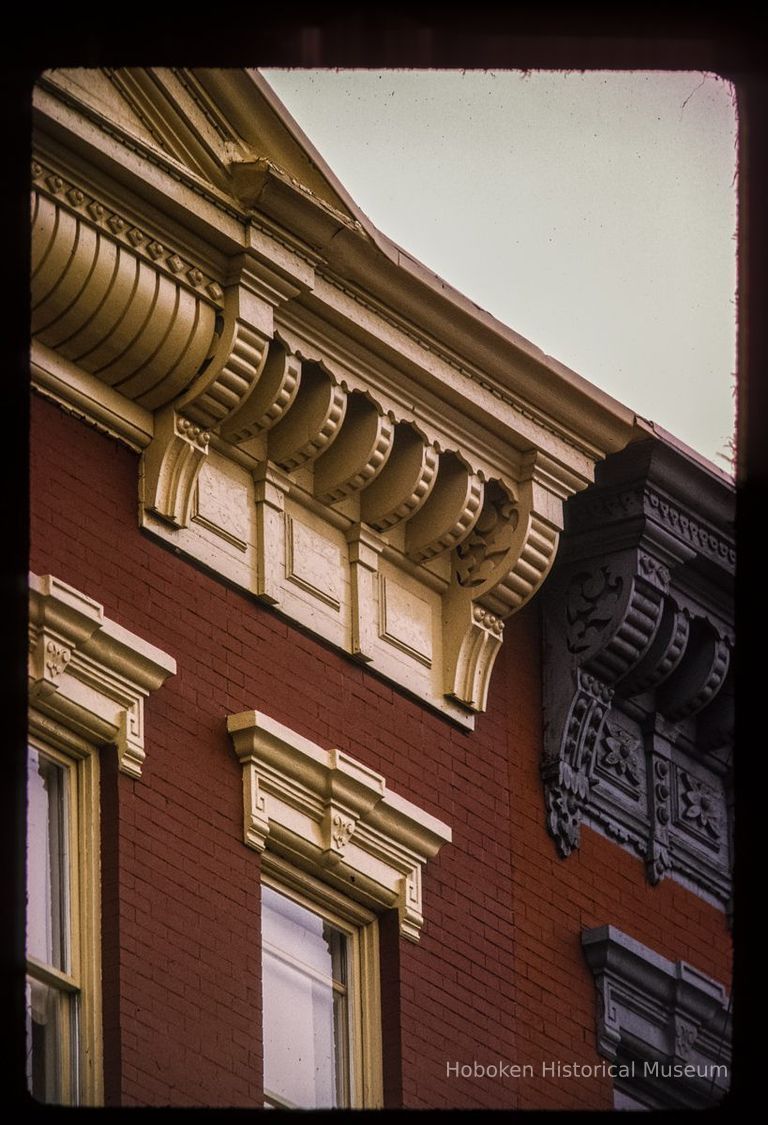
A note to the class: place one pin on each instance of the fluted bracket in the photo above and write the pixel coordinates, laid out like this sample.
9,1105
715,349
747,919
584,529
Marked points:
172,463
239,353
472,638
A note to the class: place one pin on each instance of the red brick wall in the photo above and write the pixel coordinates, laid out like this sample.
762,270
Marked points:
555,899
498,973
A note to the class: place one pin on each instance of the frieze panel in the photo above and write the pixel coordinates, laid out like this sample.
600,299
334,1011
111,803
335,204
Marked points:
700,809
619,759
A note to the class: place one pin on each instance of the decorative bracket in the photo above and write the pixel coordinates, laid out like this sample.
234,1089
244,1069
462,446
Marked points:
171,465
497,568
219,397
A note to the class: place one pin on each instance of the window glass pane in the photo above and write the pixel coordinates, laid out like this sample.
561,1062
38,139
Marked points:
306,1037
51,1032
47,861
292,928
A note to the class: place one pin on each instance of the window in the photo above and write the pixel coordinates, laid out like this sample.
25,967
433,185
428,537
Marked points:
321,1000
62,989
88,680
335,843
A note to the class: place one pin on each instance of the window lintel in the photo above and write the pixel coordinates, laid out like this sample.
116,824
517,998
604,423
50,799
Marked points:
88,671
326,810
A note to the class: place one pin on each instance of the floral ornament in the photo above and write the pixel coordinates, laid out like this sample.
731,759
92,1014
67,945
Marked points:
703,806
621,754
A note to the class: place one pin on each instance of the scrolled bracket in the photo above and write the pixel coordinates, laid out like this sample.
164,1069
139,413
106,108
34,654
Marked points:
171,466
472,637
512,547
496,569
224,384
567,765
238,354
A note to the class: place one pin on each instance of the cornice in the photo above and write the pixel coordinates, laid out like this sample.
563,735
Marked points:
90,673
679,518
426,342
638,638
276,379
336,815
49,98
67,194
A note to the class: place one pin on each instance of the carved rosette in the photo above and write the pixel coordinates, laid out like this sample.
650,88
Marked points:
620,755
701,807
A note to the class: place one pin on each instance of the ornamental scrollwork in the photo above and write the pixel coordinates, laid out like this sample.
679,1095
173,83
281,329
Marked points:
591,602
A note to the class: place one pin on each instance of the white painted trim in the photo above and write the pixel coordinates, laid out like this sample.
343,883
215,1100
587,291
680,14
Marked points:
88,672
326,809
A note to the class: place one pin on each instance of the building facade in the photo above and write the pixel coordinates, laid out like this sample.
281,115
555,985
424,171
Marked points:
380,706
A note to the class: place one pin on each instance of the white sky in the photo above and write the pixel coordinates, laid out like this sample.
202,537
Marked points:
593,213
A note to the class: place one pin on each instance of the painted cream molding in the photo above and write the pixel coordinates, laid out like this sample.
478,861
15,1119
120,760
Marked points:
323,422
88,672
324,809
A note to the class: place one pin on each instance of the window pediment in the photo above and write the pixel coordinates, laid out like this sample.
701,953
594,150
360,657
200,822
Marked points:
90,672
326,810
668,1018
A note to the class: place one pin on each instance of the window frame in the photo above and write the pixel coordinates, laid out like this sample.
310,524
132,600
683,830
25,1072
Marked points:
364,989
82,979
88,680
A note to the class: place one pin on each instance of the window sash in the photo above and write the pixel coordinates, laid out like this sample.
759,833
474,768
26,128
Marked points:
357,1018
308,1050
73,986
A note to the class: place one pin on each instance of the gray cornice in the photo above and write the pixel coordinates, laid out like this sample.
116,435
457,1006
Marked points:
638,635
